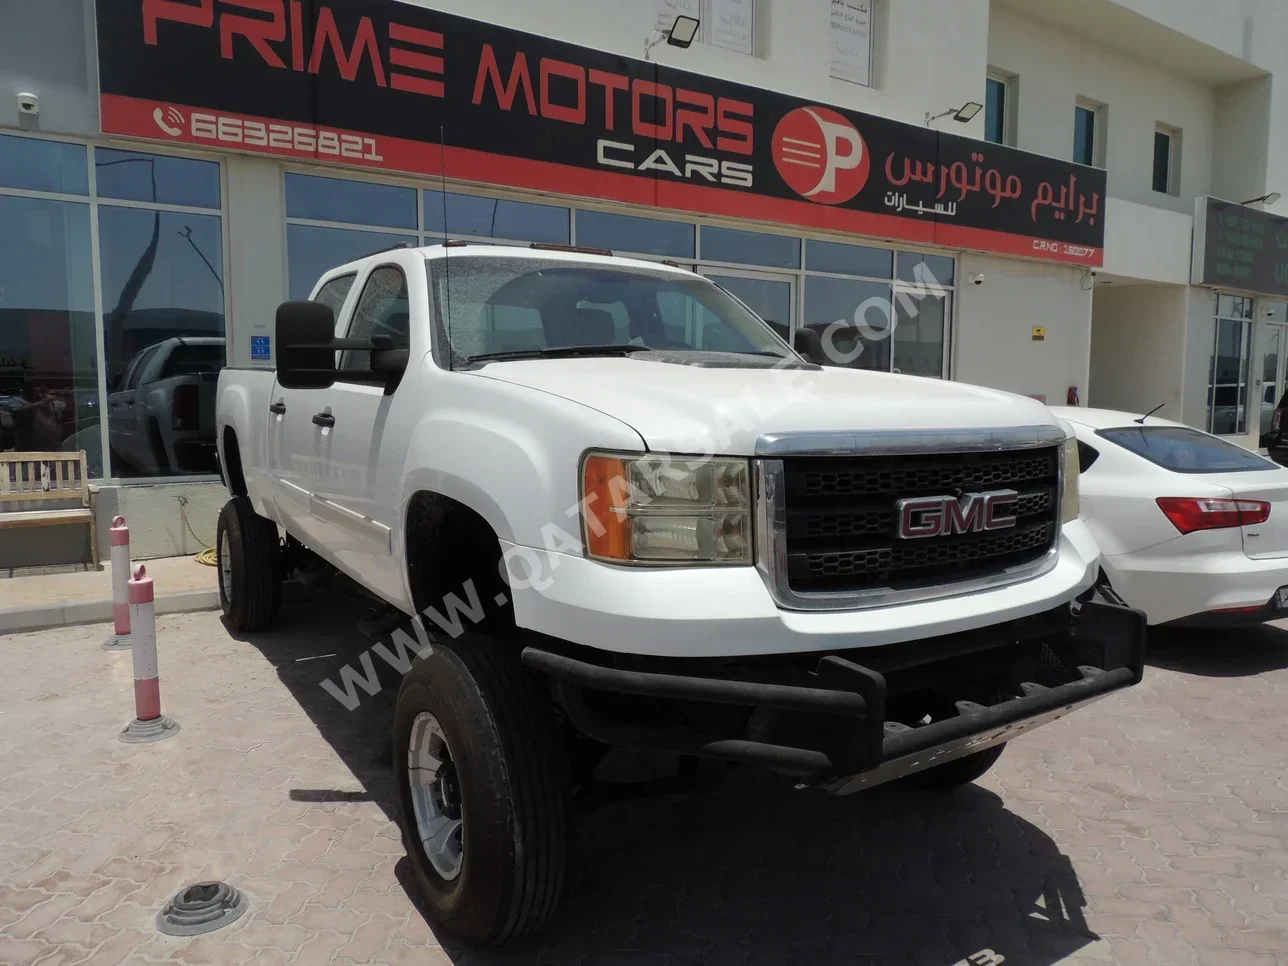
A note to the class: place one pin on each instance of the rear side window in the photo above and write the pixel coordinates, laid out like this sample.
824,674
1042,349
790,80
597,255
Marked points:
1184,450
334,292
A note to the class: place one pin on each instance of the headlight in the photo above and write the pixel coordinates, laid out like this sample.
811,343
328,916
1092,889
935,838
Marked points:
1072,470
658,510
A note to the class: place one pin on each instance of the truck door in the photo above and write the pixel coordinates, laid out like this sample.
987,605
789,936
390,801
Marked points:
295,440
354,503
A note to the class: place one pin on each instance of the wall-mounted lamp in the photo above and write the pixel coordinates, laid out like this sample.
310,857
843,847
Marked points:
964,113
682,34
1270,199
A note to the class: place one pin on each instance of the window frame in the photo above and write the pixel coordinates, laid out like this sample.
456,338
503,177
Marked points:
342,372
1173,134
1097,112
1244,378
92,200
1009,84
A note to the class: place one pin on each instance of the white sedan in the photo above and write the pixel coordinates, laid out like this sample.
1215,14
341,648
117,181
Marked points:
1192,529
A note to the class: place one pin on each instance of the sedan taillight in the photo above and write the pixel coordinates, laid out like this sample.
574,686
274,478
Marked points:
1189,514
1276,420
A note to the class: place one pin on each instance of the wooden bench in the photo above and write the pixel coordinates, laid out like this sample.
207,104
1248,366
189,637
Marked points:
33,478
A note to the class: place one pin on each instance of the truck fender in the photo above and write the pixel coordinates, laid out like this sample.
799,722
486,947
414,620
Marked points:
476,460
234,411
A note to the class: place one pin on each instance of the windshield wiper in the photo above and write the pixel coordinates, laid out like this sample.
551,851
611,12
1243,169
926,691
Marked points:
559,351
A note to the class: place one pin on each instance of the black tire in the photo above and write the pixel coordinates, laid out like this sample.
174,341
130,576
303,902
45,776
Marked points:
252,591
157,443
958,772
515,793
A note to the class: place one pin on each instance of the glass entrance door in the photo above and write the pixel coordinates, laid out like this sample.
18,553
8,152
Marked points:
1272,374
772,297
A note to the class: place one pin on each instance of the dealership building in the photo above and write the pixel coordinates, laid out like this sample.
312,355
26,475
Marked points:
1067,201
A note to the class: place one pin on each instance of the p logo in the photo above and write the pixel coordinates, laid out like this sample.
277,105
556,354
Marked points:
821,155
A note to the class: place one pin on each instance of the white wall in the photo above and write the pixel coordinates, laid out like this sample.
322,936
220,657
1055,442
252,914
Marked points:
47,48
1138,348
1241,148
1147,243
993,343
930,53
256,250
1055,67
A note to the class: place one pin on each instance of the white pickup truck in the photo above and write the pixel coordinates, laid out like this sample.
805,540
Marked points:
655,525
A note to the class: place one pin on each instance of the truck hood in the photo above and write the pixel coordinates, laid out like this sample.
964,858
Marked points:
690,409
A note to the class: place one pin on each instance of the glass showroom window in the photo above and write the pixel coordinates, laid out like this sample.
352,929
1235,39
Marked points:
330,221
48,349
160,231
879,309
1231,354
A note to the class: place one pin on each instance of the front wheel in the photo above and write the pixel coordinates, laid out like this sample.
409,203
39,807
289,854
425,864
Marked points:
958,772
483,790
249,557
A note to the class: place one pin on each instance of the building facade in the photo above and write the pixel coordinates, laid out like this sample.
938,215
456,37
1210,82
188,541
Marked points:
170,170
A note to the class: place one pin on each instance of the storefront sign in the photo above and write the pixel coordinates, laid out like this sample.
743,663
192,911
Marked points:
1240,248
395,86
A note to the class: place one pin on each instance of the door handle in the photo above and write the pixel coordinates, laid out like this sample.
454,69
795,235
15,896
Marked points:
323,419
278,408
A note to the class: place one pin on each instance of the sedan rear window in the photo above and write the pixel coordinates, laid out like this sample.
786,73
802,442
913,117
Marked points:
1184,450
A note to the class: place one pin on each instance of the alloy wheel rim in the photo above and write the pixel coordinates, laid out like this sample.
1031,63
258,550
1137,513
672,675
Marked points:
225,567
435,796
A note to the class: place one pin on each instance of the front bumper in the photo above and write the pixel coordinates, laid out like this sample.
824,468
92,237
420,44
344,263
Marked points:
726,612
836,725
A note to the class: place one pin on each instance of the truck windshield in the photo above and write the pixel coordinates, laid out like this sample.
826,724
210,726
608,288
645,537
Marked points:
499,306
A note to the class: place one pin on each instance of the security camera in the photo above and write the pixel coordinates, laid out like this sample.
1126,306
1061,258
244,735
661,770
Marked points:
977,279
28,104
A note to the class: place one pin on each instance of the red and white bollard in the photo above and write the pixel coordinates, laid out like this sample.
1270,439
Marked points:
120,534
149,723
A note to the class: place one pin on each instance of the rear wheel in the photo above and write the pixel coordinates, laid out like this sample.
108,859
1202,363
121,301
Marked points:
483,790
249,558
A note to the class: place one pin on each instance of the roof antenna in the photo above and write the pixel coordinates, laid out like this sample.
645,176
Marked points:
1150,413
447,268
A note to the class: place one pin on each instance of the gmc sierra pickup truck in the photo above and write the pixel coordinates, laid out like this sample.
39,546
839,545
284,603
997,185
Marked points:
661,527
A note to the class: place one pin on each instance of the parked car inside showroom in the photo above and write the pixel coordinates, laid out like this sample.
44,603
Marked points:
1192,528
161,412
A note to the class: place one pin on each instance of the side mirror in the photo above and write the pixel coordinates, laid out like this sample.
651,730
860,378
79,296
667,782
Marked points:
808,344
305,353
389,365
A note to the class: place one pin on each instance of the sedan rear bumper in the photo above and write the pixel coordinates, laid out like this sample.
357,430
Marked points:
1175,588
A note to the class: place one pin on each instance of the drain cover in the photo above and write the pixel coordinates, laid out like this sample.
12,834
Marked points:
201,907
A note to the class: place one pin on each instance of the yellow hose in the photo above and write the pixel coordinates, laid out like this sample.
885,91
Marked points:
208,557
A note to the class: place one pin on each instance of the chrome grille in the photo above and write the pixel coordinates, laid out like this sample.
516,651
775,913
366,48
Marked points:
840,518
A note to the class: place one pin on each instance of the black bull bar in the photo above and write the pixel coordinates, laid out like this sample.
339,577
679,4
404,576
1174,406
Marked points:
1062,660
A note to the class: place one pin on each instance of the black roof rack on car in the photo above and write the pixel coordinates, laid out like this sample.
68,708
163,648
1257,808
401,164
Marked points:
548,247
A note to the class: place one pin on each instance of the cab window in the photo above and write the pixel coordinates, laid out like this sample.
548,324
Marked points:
382,309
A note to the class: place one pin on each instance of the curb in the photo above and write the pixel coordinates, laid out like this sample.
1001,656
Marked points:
16,619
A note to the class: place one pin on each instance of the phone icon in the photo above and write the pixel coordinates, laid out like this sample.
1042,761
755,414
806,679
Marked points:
175,127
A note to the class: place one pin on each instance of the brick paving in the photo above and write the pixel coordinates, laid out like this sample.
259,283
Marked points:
1152,828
